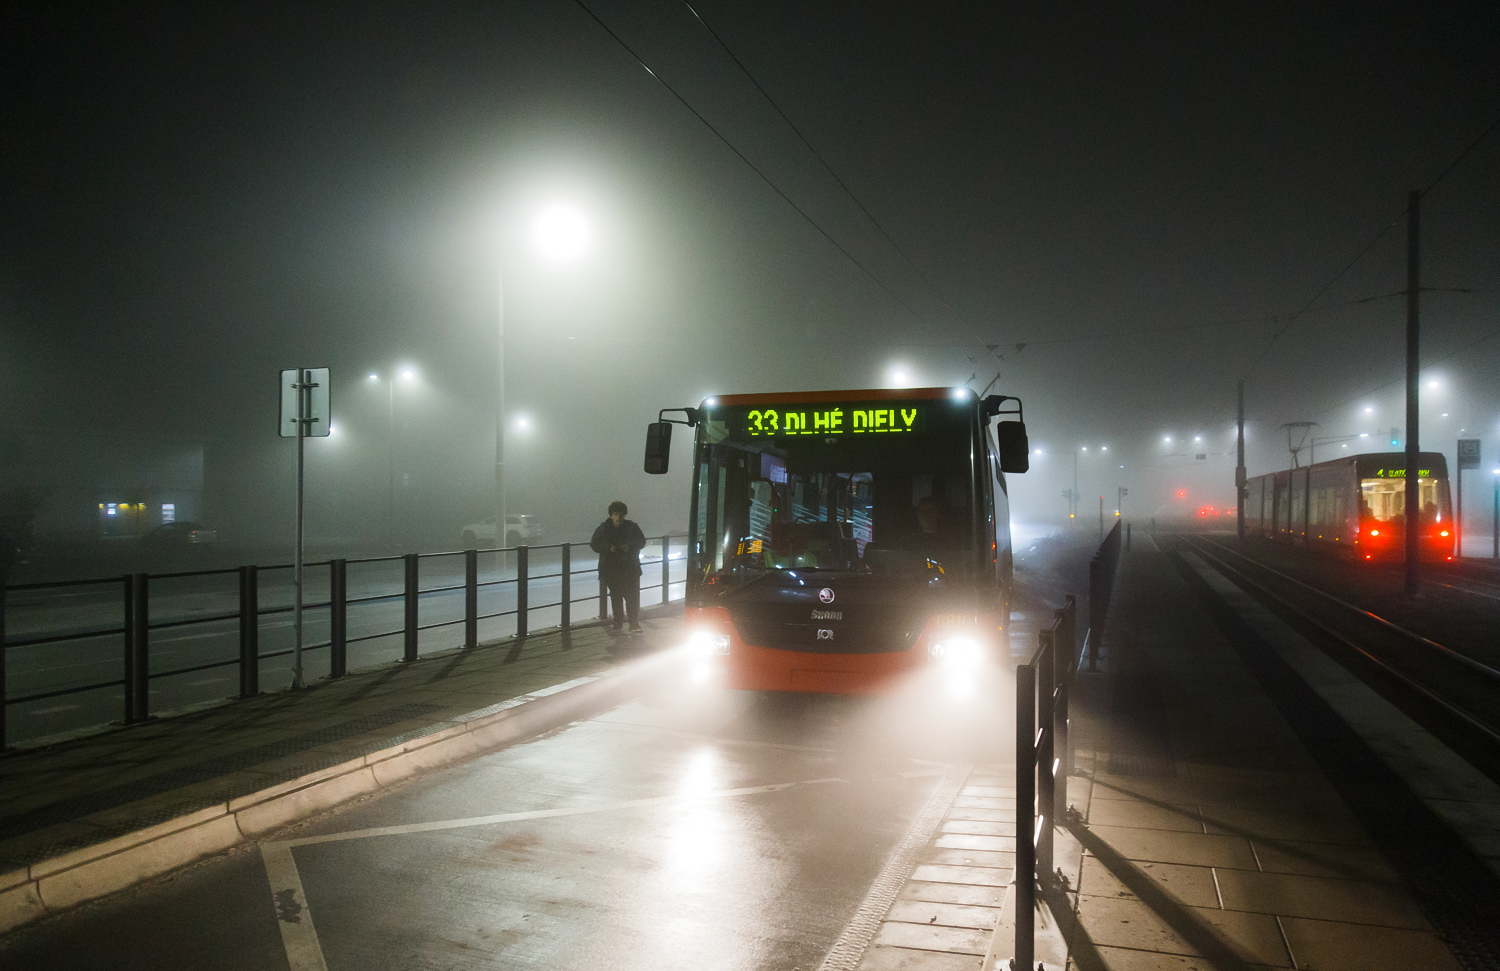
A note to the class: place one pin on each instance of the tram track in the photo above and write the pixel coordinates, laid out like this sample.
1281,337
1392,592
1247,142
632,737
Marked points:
1452,695
1479,581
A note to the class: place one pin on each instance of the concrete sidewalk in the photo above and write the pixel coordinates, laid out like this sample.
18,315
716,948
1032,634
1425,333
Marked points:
1211,835
76,794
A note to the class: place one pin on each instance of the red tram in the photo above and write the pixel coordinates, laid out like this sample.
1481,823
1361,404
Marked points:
1356,505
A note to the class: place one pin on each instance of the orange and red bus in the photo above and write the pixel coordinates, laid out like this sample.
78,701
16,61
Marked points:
1355,505
842,539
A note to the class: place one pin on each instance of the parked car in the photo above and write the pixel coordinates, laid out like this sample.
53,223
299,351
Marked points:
181,535
652,551
520,530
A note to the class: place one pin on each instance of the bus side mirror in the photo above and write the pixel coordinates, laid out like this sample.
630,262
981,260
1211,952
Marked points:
1015,449
658,447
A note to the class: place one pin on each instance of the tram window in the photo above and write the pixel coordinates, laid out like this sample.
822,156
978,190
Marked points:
1385,499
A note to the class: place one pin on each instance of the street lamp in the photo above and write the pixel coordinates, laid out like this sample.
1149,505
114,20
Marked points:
562,235
407,375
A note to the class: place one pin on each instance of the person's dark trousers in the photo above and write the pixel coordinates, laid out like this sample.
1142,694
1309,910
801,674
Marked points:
625,598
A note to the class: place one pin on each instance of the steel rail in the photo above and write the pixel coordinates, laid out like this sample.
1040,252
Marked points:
59,638
197,667
1468,720
1447,652
1475,593
60,692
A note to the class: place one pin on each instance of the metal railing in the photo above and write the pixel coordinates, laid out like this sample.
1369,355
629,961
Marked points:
1044,753
1044,760
1101,585
136,629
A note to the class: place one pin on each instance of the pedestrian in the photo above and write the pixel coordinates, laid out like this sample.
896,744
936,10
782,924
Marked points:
619,542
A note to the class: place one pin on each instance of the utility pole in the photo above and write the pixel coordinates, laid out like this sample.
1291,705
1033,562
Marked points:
1239,467
1101,519
1413,298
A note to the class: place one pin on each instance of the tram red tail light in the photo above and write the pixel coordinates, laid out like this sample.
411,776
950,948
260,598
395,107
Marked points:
1374,532
1443,533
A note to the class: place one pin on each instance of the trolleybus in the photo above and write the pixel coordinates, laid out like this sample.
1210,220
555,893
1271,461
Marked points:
839,540
1355,505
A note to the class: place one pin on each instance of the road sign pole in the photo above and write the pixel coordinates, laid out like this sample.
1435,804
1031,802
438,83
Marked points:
303,388
304,404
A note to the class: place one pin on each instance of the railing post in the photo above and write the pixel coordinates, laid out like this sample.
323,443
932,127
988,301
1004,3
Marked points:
1046,760
1025,815
603,600
249,632
567,586
338,618
666,576
1069,656
471,599
523,558
137,648
410,628
1095,613
1063,677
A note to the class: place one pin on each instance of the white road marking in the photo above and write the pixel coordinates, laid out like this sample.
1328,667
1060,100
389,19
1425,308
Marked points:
442,824
298,936
304,953
717,739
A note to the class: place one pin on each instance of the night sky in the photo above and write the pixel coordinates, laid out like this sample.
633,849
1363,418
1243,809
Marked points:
1116,208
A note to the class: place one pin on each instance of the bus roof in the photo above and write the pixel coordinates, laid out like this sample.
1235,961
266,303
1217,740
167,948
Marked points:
875,394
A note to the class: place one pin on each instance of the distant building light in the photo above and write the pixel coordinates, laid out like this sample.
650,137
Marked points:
169,512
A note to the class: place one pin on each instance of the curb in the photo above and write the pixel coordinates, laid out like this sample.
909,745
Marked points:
61,882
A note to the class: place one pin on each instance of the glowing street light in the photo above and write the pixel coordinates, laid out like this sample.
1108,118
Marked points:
562,235
407,376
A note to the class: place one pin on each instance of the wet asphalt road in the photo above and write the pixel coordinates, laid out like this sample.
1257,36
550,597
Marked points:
702,875
690,828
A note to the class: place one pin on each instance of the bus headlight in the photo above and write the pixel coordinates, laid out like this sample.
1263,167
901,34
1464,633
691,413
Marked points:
705,644
960,653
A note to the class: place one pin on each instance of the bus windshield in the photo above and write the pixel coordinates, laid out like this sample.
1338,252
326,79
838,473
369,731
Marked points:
839,503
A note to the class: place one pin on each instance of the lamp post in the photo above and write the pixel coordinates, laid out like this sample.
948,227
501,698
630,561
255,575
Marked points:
407,374
561,235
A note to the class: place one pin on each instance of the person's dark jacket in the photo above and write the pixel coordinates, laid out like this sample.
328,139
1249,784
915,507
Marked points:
619,549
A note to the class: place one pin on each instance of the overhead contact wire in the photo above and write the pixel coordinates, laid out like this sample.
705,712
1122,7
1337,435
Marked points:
752,166
823,162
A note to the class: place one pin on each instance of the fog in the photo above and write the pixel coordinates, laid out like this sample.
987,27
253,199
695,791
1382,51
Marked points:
1113,215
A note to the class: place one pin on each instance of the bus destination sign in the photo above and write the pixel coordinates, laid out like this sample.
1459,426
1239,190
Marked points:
860,418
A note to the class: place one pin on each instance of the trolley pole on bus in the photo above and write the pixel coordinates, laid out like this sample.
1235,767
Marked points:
1413,368
1239,467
